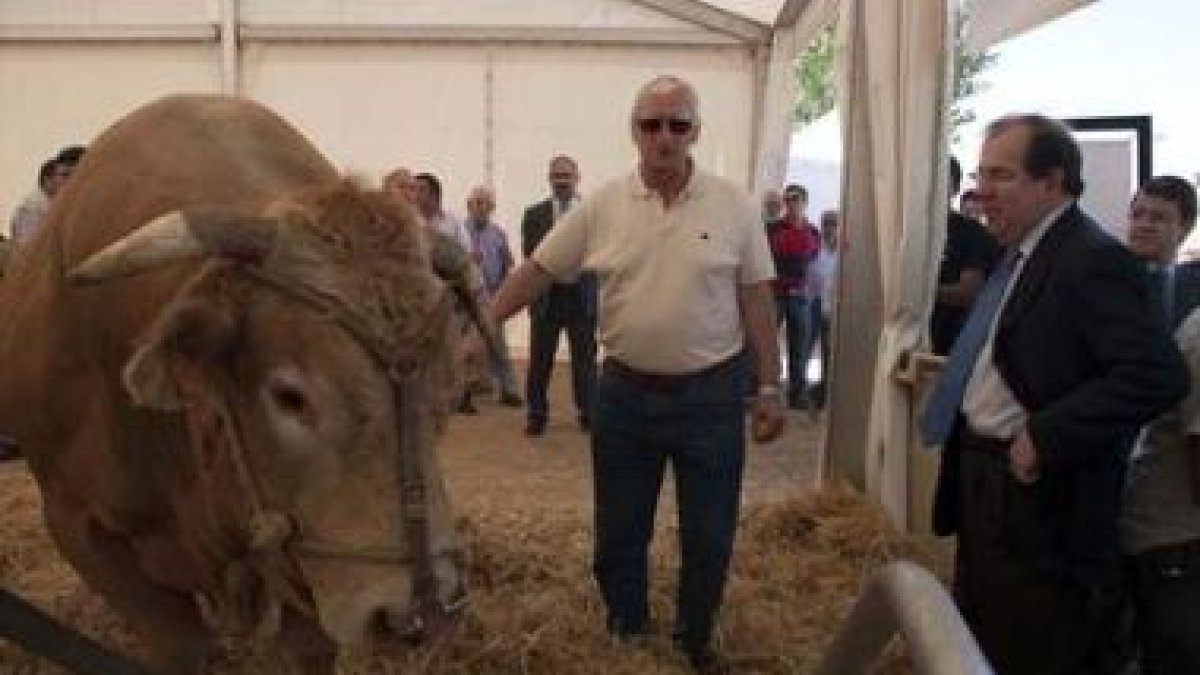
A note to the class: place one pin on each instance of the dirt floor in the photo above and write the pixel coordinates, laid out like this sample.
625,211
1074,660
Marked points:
525,507
488,454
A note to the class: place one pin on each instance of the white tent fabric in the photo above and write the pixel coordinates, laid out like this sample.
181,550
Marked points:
894,60
790,38
993,21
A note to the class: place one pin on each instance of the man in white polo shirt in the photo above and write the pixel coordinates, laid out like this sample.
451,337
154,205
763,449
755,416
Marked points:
683,270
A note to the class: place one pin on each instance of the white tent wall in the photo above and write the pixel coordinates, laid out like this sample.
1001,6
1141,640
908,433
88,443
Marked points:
56,95
483,94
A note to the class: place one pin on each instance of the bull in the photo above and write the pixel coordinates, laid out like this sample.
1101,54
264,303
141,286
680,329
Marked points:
224,365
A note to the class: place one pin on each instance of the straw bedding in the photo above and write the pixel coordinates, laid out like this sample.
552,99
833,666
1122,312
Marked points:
523,505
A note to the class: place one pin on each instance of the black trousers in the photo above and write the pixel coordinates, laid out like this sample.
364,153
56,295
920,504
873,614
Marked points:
1027,619
546,325
1165,585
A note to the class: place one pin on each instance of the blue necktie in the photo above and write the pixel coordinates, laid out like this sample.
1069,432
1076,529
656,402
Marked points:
947,396
1162,292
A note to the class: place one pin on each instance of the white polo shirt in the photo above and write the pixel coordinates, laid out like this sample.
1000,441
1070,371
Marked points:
668,277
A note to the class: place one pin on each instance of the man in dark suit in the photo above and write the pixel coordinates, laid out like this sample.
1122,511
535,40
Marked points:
570,307
1063,366
1161,215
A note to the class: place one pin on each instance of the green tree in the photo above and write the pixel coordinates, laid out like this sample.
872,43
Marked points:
968,66
814,71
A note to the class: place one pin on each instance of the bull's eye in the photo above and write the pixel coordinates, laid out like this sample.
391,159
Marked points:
289,399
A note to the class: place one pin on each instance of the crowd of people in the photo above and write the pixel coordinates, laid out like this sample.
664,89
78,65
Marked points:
1067,410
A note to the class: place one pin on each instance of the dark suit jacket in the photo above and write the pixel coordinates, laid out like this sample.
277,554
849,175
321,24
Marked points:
1084,357
1186,292
562,301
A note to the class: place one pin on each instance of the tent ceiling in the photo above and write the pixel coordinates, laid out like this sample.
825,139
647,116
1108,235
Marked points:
762,11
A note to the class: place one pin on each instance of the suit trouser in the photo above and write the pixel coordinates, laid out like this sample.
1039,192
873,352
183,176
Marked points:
545,327
699,427
1027,619
1165,584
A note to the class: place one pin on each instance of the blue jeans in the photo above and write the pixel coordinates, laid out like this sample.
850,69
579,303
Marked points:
794,314
699,426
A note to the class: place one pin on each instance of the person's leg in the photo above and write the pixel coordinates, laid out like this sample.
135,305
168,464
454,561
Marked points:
706,438
781,323
626,475
543,343
503,370
1166,595
581,341
1025,620
821,389
796,322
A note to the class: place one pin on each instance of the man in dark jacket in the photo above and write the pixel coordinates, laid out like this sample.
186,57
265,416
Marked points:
1055,371
569,307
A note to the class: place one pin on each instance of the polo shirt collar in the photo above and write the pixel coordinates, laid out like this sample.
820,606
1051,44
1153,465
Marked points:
697,182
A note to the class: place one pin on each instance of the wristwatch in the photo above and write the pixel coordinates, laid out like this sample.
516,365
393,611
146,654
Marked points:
768,391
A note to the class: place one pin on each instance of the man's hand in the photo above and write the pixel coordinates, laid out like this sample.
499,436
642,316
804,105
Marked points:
1023,458
767,418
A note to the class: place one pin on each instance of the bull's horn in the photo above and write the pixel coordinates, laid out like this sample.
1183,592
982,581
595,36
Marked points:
448,258
451,264
178,236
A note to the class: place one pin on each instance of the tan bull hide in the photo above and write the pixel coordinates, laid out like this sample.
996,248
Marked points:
220,418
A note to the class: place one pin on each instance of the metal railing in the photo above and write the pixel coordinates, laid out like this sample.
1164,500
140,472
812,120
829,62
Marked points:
904,598
43,635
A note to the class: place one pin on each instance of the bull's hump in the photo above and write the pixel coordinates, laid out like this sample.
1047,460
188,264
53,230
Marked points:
206,130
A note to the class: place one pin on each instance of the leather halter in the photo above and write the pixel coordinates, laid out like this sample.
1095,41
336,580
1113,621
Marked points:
277,532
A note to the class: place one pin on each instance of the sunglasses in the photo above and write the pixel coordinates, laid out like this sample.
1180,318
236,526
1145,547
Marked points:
653,125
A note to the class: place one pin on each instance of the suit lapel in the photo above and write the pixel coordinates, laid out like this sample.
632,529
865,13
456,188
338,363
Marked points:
1035,273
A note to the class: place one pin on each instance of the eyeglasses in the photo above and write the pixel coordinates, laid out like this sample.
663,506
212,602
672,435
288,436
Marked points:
653,125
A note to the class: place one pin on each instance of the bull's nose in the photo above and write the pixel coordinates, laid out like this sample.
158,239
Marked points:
367,614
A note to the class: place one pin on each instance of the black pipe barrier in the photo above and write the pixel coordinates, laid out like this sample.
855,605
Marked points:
41,634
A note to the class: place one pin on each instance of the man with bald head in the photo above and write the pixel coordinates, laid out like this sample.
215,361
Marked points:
683,269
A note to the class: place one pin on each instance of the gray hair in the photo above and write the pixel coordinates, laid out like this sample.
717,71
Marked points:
665,83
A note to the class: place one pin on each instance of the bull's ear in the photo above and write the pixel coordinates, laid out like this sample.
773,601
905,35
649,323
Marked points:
179,352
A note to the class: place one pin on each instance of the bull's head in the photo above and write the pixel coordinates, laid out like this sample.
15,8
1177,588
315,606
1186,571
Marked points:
312,349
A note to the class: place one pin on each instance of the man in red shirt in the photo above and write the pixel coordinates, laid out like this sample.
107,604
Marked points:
794,244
